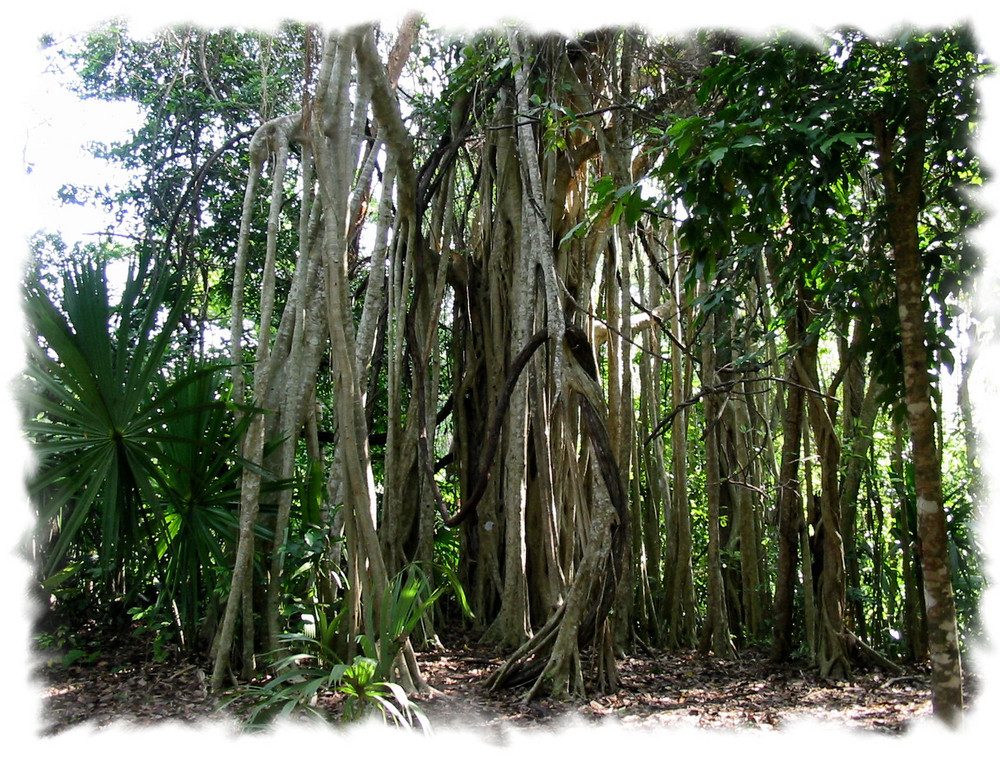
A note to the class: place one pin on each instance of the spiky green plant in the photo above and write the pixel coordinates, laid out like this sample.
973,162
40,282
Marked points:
301,675
120,431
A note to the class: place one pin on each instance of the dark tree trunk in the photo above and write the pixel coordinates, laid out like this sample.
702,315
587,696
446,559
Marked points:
789,510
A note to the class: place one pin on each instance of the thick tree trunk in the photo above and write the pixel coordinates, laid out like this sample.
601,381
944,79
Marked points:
511,626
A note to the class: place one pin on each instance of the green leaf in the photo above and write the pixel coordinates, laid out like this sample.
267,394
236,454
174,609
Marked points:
747,140
578,231
716,154
635,206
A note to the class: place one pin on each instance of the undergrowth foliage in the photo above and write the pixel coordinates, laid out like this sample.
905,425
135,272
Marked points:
363,686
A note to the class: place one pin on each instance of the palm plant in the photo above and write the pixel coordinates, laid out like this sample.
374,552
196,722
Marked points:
118,427
199,493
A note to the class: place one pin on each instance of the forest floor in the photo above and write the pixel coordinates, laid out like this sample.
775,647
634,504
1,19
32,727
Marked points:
123,684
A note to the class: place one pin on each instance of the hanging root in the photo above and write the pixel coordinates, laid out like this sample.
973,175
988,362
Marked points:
857,646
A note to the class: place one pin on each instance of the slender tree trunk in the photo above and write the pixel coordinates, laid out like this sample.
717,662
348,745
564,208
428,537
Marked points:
789,508
270,138
739,466
860,443
715,634
915,627
678,575
657,499
969,430
828,546
876,528
903,191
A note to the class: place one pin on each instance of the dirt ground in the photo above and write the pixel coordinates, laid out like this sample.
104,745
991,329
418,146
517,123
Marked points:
657,690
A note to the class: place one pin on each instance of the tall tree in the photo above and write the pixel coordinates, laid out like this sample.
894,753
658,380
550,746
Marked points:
902,175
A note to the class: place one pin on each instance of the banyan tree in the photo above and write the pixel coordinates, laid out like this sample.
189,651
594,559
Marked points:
496,232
